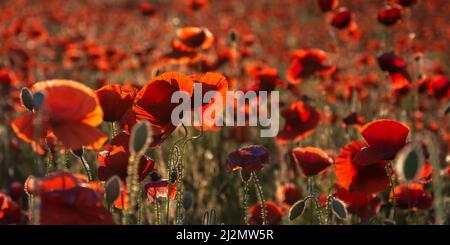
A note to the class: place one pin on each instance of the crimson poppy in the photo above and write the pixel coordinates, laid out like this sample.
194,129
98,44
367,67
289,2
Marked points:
153,101
72,200
267,79
361,178
250,158
412,196
307,63
10,211
327,5
212,82
389,15
393,64
147,9
301,119
384,138
115,101
114,159
70,110
353,119
195,37
197,4
311,160
437,86
341,18
288,194
274,214
362,204
159,188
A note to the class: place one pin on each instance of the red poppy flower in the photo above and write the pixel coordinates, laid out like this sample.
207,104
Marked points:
406,3
70,110
147,9
288,194
212,82
307,63
412,196
250,158
353,119
114,159
327,5
341,18
361,178
153,101
267,79
15,191
389,15
7,78
437,86
10,211
63,194
274,214
114,101
393,64
159,189
311,160
301,119
197,4
362,204
384,138
195,37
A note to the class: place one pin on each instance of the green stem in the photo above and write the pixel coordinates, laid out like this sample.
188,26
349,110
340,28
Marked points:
86,168
261,199
245,203
392,187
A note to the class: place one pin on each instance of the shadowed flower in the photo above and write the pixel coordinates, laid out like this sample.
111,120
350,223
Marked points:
327,5
70,110
307,63
65,199
389,15
341,18
10,211
384,138
114,101
412,196
114,159
159,188
195,37
361,178
250,158
274,214
406,3
288,194
353,119
311,160
300,120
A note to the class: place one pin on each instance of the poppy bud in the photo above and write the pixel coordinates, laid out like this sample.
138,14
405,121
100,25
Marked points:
140,138
233,36
338,208
26,98
389,15
38,100
112,189
327,5
341,18
297,209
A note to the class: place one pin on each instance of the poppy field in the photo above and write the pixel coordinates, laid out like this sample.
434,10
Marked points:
355,92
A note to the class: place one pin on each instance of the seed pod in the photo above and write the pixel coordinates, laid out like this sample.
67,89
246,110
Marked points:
338,208
26,98
409,162
112,189
140,138
38,100
297,209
